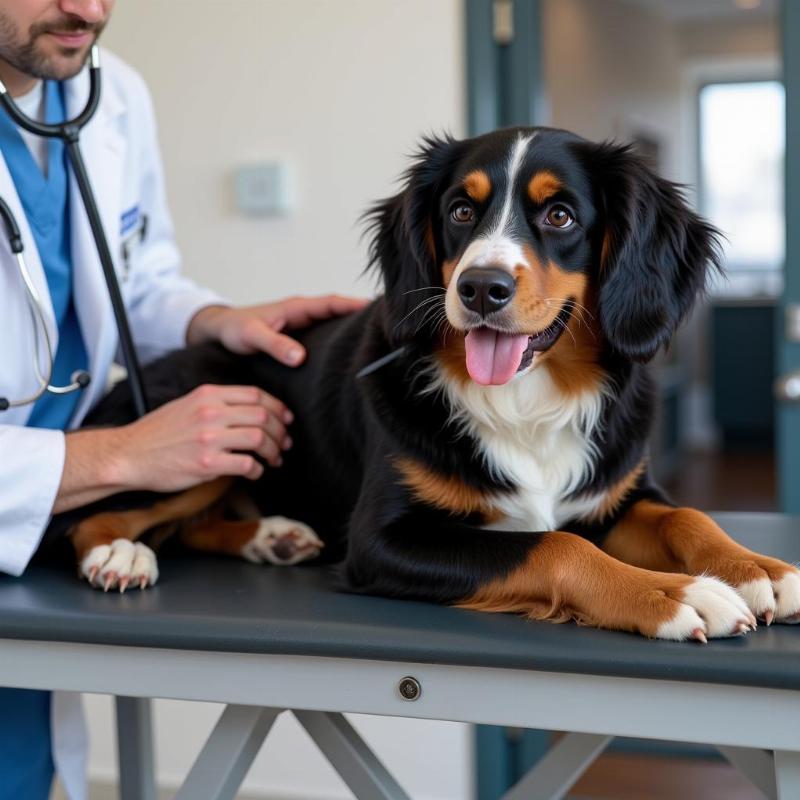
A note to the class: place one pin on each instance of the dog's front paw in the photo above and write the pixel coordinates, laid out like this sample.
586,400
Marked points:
707,608
774,594
119,565
282,541
770,587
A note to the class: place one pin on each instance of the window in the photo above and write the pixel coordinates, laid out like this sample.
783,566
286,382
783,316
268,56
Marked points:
742,140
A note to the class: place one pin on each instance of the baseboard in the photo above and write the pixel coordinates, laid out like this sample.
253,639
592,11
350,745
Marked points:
104,790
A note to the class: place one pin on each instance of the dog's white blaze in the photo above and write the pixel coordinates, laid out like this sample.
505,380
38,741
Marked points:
497,248
531,433
514,163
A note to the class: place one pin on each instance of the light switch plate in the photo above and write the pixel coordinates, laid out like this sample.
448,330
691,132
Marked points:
263,189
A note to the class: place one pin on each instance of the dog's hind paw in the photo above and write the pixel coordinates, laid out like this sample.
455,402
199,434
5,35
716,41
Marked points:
282,541
120,565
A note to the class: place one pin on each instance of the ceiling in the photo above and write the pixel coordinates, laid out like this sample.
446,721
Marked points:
681,10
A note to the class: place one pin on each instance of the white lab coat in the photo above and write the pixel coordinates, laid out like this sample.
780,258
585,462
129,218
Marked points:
121,153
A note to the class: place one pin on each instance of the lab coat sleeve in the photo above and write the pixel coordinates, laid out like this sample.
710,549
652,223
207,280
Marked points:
28,485
161,302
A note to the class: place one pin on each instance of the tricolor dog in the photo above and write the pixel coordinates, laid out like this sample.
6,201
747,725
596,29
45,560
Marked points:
478,435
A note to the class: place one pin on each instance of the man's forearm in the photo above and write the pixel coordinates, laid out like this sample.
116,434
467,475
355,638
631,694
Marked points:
91,468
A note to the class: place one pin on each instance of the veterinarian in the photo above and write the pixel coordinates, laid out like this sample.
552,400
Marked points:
43,470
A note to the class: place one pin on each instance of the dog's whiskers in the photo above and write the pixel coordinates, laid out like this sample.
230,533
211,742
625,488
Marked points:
439,289
418,307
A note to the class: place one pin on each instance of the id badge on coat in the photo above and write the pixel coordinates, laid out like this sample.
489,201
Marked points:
133,231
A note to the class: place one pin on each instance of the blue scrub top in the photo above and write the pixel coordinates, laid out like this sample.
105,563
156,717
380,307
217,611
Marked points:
46,205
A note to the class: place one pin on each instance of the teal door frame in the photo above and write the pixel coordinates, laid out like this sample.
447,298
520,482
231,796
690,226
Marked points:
505,68
788,353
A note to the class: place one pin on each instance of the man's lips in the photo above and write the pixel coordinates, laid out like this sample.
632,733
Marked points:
72,39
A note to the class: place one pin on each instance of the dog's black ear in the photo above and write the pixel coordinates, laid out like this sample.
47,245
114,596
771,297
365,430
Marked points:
654,252
404,241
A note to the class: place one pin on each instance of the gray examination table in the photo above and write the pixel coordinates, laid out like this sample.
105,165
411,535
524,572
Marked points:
266,640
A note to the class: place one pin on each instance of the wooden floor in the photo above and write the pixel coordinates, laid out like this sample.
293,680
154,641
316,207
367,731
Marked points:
737,481
710,481
621,777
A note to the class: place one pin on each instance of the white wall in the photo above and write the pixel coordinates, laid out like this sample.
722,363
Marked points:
341,89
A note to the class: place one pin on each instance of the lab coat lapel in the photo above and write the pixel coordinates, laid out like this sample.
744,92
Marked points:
103,147
19,359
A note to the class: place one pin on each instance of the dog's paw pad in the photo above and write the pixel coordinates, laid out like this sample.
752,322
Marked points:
282,541
120,565
709,609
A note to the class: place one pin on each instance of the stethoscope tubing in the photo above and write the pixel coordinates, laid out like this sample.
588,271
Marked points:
69,132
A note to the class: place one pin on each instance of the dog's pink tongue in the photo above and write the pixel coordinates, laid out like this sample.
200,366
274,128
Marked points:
493,357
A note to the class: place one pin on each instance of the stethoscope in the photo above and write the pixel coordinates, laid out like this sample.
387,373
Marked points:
69,131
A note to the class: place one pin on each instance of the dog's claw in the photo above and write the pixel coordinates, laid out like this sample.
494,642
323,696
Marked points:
93,574
769,615
700,635
123,583
110,578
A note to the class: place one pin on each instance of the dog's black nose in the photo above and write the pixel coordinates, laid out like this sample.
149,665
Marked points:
485,289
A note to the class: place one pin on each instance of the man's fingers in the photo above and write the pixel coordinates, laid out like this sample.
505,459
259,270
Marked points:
256,440
258,418
281,347
239,464
247,395
301,311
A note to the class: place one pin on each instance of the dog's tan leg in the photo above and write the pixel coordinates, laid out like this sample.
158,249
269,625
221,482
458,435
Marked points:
656,536
276,540
104,543
567,577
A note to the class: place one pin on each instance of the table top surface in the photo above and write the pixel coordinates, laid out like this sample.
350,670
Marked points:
215,604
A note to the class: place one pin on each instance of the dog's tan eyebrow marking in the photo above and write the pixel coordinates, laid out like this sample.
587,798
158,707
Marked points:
477,185
543,185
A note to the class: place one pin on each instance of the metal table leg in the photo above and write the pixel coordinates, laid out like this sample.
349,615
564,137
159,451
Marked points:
787,774
758,766
350,756
219,770
135,749
564,763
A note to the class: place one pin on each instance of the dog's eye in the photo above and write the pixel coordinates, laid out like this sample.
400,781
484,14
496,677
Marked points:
462,212
559,217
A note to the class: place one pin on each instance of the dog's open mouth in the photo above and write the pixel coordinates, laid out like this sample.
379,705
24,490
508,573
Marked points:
494,357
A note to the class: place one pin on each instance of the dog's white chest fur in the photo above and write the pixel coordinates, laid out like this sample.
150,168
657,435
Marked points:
532,434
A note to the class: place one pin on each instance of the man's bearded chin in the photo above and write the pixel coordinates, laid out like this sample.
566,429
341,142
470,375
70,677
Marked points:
33,59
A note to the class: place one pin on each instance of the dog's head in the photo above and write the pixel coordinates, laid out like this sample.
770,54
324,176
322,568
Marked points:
510,239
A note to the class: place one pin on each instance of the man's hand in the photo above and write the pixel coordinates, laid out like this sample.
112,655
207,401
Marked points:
212,431
259,328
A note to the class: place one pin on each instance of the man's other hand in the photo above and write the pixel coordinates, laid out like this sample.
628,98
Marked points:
260,328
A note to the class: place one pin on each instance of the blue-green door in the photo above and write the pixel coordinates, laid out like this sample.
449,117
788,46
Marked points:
788,334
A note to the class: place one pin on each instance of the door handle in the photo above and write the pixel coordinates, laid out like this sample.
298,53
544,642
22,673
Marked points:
787,387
